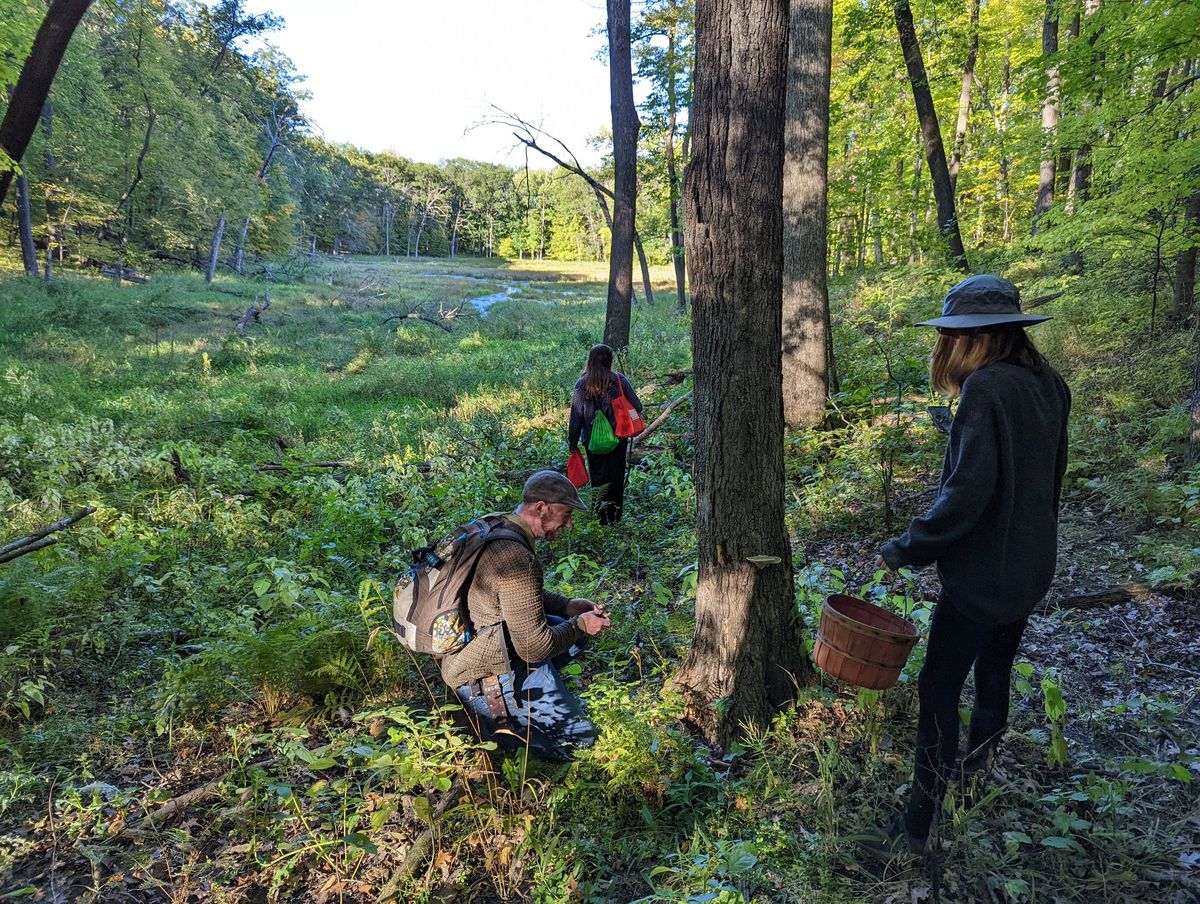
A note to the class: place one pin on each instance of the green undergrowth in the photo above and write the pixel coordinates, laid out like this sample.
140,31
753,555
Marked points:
221,625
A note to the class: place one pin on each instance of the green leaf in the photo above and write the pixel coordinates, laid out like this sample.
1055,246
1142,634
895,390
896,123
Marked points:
1056,841
1017,838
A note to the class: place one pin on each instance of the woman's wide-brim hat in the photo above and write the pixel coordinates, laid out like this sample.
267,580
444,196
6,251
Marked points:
980,301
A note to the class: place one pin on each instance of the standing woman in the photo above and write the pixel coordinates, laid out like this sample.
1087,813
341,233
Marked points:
993,533
598,386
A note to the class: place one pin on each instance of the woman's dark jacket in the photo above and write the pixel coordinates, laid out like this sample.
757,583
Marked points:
583,408
993,530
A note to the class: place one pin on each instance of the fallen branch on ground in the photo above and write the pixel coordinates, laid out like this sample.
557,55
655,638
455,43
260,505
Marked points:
276,466
41,538
441,320
1100,598
419,850
254,311
125,275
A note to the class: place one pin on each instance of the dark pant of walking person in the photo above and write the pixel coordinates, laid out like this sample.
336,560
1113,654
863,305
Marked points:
608,482
956,643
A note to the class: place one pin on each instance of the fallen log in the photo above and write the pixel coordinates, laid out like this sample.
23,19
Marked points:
124,275
254,311
1101,598
40,538
276,466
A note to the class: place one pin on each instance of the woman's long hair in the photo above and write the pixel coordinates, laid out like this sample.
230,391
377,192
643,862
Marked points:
597,375
956,357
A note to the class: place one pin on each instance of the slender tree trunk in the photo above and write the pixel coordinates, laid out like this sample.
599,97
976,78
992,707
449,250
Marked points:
918,165
935,152
625,133
964,97
240,257
1045,195
33,84
746,659
677,257
1184,289
805,219
218,233
53,210
25,227
645,265
1193,453
877,231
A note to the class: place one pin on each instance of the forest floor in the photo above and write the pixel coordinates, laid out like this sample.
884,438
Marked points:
363,791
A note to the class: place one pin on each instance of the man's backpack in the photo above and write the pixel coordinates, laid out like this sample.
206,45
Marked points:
429,606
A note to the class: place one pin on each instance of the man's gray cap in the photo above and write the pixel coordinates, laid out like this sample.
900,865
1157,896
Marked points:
983,300
552,487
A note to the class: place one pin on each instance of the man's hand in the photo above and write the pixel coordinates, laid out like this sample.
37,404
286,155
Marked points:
579,606
592,622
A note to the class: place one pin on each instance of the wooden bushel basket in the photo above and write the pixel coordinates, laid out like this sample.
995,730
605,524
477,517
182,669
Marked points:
862,644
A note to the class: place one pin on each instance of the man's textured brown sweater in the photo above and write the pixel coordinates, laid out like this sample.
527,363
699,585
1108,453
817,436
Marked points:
507,593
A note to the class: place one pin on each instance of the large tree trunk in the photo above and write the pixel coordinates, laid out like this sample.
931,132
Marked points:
1045,195
964,97
747,658
25,227
216,250
931,134
625,134
805,181
1185,265
33,85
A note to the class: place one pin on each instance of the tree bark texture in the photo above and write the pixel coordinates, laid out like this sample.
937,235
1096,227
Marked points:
240,256
746,659
677,257
25,227
33,85
53,208
1045,195
216,250
964,97
931,135
625,134
1185,265
805,183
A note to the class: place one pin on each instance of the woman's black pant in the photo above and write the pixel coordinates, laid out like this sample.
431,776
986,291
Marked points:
956,643
608,482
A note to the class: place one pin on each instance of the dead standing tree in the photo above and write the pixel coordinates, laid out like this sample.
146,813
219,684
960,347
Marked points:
529,135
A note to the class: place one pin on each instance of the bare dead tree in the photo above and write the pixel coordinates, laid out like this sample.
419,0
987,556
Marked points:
535,139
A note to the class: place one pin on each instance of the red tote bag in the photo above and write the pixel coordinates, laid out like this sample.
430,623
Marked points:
629,419
576,469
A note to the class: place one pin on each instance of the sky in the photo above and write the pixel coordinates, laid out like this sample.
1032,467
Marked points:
412,76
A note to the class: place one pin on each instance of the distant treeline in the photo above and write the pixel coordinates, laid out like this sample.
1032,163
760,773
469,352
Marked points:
1069,127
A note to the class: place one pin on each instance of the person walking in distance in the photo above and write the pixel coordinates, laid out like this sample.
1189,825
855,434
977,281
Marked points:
592,423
